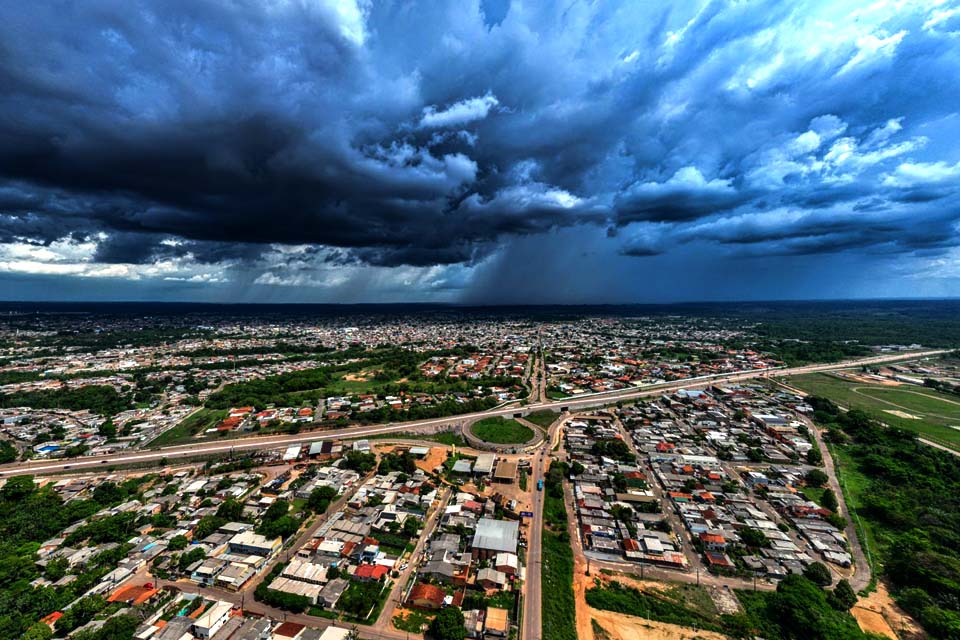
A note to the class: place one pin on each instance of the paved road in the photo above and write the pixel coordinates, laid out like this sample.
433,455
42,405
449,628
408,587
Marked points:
305,535
532,597
396,592
280,441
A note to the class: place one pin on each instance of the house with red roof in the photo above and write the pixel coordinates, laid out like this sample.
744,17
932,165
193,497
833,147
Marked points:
370,572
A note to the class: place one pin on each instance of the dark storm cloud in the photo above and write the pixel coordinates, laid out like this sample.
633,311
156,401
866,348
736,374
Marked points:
424,134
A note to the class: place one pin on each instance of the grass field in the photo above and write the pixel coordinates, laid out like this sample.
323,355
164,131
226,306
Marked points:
557,606
934,413
542,418
188,427
685,605
502,431
854,485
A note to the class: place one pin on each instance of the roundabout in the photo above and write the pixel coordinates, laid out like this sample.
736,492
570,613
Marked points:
502,434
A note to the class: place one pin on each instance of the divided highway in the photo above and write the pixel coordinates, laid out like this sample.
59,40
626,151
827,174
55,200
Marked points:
584,401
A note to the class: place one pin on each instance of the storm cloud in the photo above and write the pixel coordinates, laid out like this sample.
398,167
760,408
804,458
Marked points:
397,150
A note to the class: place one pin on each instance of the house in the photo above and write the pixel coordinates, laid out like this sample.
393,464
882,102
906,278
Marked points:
444,572
497,622
332,591
507,563
484,464
491,578
248,543
495,536
506,472
473,621
288,631
713,541
370,572
212,619
426,596
462,466
718,560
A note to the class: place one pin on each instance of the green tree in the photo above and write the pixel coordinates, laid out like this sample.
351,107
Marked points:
816,478
410,527
843,596
753,538
188,558
80,613
39,631
17,488
107,429
8,452
320,499
829,500
230,510
818,573
360,462
206,526
448,625
56,569
177,543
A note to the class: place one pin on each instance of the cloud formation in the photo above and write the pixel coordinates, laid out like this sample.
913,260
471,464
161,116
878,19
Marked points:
405,149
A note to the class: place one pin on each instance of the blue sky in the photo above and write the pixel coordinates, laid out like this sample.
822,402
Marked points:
482,152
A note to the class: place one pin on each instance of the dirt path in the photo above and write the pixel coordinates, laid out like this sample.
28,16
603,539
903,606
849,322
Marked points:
942,447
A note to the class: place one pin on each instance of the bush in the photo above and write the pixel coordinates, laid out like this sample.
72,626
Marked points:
818,573
843,596
816,478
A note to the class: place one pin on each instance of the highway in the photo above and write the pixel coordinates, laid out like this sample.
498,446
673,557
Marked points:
584,401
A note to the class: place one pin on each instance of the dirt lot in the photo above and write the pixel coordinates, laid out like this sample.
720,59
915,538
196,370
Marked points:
878,613
433,459
623,627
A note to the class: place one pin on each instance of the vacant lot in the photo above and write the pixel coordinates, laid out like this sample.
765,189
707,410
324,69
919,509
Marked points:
542,418
931,414
190,427
502,431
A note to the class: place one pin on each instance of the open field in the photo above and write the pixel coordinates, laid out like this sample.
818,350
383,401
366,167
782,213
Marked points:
189,427
855,484
923,411
558,605
542,418
502,431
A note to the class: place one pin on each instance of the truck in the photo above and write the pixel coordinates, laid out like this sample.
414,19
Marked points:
540,484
